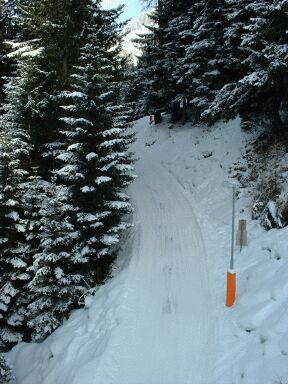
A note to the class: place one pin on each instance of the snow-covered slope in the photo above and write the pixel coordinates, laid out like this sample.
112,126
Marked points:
162,319
135,28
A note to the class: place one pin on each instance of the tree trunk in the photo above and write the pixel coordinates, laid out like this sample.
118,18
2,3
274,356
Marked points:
195,115
175,112
184,117
65,66
99,271
102,269
157,117
277,124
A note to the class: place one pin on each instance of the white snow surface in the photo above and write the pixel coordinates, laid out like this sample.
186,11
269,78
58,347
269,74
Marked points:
162,318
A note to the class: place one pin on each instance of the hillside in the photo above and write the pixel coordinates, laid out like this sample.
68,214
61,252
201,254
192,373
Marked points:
134,29
161,319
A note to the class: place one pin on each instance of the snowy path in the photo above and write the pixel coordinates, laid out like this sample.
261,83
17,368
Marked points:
159,320
155,321
166,333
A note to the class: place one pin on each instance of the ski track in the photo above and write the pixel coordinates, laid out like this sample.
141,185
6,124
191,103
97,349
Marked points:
168,287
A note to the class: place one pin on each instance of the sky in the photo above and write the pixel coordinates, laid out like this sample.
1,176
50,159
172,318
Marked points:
133,8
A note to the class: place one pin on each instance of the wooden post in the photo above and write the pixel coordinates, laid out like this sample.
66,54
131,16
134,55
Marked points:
241,238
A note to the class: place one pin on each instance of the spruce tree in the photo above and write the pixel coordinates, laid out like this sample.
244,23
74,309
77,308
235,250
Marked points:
204,57
237,18
7,31
179,38
82,215
260,89
266,40
149,76
153,70
16,151
65,163
55,30
32,133
55,287
97,164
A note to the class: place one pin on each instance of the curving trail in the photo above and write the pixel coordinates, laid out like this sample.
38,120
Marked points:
154,322
165,334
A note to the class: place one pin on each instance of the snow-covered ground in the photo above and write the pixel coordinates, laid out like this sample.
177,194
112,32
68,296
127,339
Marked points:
162,318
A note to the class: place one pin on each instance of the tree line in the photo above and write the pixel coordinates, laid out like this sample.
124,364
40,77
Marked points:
215,59
64,160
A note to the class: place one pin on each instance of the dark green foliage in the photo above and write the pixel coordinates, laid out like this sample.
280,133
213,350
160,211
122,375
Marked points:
260,85
54,29
96,162
56,233
56,286
7,31
14,260
217,58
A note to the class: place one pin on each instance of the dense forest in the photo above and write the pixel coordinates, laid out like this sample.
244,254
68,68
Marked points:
67,97
64,160
210,60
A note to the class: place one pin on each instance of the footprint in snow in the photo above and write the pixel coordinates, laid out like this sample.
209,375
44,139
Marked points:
167,270
169,307
149,144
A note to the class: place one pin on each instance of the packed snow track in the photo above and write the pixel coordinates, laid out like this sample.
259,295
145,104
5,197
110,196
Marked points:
166,336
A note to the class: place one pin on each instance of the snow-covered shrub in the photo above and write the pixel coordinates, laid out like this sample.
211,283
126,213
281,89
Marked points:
257,209
271,218
265,190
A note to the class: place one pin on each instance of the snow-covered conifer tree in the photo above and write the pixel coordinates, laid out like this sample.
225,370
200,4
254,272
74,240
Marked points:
266,40
61,200
183,59
49,43
179,37
96,164
16,151
83,208
260,88
204,58
56,286
7,31
234,57
54,32
153,67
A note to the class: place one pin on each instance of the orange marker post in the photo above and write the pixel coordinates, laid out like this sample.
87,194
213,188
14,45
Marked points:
231,288
231,275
